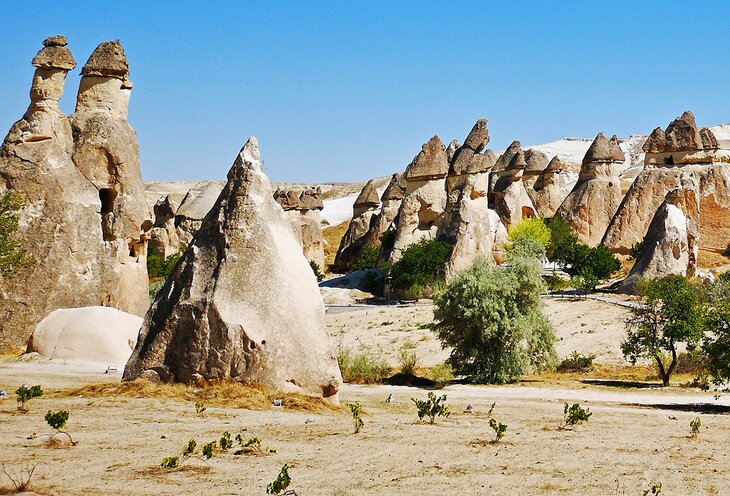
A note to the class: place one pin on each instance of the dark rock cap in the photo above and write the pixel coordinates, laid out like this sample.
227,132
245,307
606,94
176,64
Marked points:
536,161
478,136
107,60
368,197
604,150
556,166
54,54
506,157
656,142
430,163
518,161
310,200
682,134
396,188
58,40
709,141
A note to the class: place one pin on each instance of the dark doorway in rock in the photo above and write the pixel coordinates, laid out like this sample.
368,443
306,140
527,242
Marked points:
107,197
668,160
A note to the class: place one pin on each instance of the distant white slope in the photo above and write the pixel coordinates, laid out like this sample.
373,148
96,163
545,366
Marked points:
339,210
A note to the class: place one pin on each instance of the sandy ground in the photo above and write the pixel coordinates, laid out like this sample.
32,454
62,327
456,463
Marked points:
635,437
585,326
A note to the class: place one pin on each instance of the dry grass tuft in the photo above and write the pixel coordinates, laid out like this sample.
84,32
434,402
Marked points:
157,471
225,394
332,238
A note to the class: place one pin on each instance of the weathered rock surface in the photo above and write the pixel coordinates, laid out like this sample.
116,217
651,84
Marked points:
100,335
83,256
466,221
390,200
671,243
425,197
243,303
593,202
106,152
364,213
548,191
511,200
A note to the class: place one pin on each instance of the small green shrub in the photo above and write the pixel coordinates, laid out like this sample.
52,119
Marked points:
408,362
574,415
252,446
694,427
442,375
533,227
434,406
13,255
316,270
654,490
556,283
225,442
159,267
208,450
57,420
364,367
281,483
155,288
170,462
368,258
635,250
200,407
356,410
25,394
577,363
499,429
189,448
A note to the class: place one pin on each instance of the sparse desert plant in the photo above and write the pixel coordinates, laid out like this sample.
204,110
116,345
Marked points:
434,406
442,375
577,362
21,478
356,410
654,490
316,270
694,427
13,255
200,407
281,483
499,429
57,420
252,446
574,415
187,451
225,442
408,362
363,367
207,450
170,462
25,394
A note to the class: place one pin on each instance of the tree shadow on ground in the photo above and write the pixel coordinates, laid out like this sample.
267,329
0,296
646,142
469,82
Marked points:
710,408
622,384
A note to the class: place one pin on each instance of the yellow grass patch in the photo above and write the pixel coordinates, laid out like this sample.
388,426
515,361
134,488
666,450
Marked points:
225,394
332,237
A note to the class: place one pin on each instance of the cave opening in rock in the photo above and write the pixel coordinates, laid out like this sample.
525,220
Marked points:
669,160
107,197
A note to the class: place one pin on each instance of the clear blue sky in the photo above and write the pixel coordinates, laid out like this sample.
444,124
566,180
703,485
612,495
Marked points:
342,91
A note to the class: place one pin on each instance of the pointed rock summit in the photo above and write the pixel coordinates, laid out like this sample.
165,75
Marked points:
368,197
364,212
592,204
430,163
242,304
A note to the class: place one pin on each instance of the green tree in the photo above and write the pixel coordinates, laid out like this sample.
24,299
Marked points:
716,344
533,227
670,314
368,258
562,240
492,319
420,266
12,250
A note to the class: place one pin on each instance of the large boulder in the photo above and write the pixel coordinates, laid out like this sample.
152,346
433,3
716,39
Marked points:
593,202
100,335
242,303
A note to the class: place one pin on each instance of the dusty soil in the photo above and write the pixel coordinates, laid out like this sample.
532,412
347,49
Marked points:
635,437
